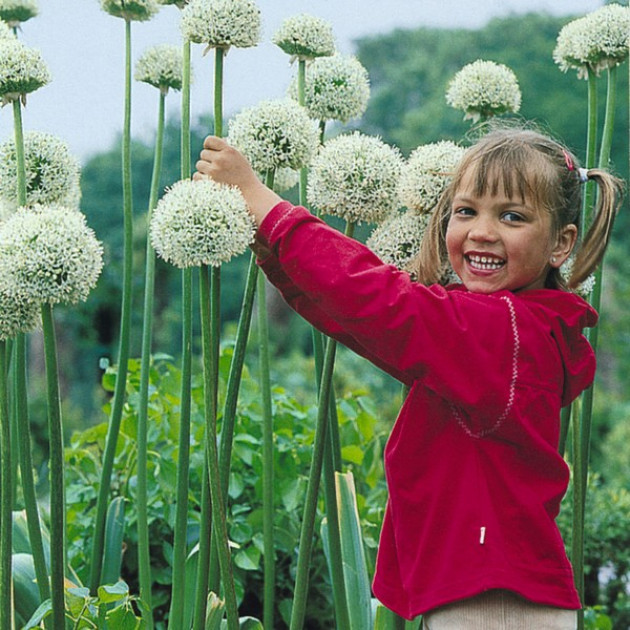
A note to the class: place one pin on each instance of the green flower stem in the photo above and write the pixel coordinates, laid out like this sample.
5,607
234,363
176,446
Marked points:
204,576
176,614
219,54
565,423
21,399
267,448
125,333
591,150
144,559
6,497
56,465
185,113
209,335
582,453
301,85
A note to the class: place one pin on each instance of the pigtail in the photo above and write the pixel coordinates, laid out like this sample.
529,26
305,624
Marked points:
594,243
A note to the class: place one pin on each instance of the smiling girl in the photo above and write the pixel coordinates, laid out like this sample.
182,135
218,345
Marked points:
475,479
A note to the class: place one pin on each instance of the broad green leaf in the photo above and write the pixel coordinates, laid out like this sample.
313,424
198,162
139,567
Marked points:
113,548
214,612
111,593
352,453
39,615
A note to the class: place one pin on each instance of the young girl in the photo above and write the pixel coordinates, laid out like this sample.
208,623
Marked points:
475,479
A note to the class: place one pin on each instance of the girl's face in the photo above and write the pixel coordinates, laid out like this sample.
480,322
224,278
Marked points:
496,242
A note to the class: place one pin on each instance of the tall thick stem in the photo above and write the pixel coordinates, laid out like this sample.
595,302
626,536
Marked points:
183,461
210,329
125,332
57,487
185,113
6,496
144,559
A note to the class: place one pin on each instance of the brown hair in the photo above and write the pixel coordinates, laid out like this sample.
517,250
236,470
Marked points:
533,166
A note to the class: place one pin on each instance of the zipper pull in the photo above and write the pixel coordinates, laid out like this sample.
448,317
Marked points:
482,535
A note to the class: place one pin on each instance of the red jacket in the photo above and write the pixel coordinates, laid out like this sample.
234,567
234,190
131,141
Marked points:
473,471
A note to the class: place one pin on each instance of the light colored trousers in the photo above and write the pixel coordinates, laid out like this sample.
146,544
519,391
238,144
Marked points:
499,610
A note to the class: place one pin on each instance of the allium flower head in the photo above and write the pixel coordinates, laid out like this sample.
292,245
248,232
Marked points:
305,37
585,288
397,240
222,23
355,177
179,3
284,179
426,174
598,40
162,67
6,210
14,12
337,88
56,257
484,89
131,10
22,70
274,134
52,173
201,223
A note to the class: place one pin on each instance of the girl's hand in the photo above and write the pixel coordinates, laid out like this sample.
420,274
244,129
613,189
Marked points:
225,165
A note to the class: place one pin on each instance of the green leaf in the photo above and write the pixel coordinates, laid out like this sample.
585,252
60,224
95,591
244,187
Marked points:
111,593
123,618
248,559
26,592
214,612
113,548
43,610
353,453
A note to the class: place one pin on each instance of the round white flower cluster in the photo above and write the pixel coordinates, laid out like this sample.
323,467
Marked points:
337,88
22,70
14,12
274,134
131,10
161,66
52,254
52,174
426,174
598,40
305,37
283,179
397,240
6,210
585,288
222,23
483,89
355,177
201,223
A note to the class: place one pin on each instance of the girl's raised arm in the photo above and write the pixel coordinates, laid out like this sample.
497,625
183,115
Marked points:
226,165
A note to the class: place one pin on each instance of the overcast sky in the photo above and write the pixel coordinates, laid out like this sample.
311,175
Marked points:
84,49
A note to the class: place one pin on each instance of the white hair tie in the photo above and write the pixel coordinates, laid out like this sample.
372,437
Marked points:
583,174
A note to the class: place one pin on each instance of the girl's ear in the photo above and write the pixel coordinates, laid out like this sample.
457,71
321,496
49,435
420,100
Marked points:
564,245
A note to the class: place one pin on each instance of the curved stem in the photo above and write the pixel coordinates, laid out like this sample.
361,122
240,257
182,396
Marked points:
125,333
144,560
6,497
209,325
183,460
57,488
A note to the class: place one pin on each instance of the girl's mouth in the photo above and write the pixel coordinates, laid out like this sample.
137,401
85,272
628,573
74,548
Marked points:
484,262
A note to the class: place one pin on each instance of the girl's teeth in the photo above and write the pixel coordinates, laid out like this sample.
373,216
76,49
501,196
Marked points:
486,263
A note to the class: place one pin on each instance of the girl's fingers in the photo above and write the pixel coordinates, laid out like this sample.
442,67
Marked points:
214,143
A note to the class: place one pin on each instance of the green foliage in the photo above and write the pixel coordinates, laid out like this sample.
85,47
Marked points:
607,548
294,432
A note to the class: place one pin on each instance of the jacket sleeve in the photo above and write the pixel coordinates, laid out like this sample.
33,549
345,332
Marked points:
462,346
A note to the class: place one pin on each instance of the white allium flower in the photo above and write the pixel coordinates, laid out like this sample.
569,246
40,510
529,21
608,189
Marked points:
201,223
6,210
56,257
131,10
22,70
305,37
397,240
598,40
14,12
161,66
274,134
222,23
355,177
484,89
6,32
337,88
426,174
52,173
585,288
18,314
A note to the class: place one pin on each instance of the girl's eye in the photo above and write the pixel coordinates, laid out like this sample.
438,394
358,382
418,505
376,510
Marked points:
464,211
512,216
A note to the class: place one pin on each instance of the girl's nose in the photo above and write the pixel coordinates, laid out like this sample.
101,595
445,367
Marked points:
483,230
